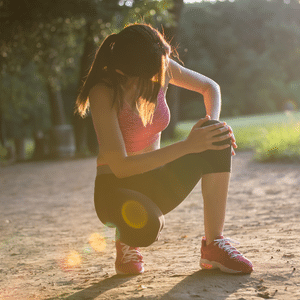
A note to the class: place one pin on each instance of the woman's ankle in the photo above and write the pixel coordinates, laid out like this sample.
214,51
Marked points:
211,238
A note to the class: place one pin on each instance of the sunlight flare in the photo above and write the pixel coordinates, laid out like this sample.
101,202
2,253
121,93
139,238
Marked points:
134,214
73,259
97,242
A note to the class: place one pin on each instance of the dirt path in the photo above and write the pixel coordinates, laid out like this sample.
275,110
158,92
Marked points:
47,220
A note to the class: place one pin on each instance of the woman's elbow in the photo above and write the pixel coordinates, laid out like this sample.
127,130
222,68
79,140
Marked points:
212,88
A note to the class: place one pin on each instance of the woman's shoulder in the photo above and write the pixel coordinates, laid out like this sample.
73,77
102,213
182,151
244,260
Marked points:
101,97
101,90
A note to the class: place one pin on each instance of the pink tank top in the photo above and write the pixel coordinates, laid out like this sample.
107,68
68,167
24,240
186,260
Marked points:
136,136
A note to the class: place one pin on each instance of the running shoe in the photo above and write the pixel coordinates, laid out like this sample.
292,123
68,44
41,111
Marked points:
129,260
220,254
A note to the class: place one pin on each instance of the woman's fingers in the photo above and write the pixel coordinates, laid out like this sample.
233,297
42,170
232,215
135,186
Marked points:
219,131
222,137
232,137
220,147
233,141
218,136
201,122
214,128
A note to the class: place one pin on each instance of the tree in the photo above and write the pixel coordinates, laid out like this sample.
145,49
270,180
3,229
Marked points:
58,36
249,47
39,32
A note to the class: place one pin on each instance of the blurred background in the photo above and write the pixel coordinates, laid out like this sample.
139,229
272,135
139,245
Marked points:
250,47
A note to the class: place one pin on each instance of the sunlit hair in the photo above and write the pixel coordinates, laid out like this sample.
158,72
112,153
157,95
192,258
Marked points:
138,50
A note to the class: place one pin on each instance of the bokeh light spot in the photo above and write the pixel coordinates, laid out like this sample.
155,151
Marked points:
73,259
97,242
134,214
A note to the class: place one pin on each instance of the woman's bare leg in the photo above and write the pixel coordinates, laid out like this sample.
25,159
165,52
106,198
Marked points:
214,191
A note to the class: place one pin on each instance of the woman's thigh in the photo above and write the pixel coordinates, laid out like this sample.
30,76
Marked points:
170,184
163,188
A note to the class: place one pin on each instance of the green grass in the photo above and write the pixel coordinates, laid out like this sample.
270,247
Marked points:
273,137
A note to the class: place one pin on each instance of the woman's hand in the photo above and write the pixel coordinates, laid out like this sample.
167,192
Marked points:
233,141
204,138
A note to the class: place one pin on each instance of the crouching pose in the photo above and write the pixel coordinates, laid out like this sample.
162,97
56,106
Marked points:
138,182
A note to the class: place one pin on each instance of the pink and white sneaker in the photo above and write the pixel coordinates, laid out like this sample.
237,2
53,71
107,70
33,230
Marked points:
221,255
129,260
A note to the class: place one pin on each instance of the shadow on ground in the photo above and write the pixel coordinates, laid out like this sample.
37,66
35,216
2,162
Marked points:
96,289
212,284
195,286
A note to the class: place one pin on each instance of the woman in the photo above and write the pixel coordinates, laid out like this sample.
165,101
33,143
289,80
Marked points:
138,183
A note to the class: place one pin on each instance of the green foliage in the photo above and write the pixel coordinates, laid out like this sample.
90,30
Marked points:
279,143
272,137
57,47
250,47
52,36
153,12
251,131
24,103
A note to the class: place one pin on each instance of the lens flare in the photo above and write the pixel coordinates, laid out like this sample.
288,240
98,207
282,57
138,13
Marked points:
72,260
134,214
97,242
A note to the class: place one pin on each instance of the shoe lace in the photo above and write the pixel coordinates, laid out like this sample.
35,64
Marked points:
130,254
225,245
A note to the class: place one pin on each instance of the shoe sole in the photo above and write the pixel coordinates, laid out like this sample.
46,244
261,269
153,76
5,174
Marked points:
122,273
209,265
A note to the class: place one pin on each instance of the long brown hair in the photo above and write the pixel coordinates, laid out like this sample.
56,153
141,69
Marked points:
138,50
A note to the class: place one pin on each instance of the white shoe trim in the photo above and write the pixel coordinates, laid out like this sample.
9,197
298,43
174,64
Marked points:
130,254
224,245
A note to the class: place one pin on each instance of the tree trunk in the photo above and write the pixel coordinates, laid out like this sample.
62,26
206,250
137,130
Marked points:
173,95
2,130
20,149
58,116
62,141
41,142
10,155
81,125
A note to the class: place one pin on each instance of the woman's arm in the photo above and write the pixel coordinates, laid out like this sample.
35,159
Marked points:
196,82
113,148
188,79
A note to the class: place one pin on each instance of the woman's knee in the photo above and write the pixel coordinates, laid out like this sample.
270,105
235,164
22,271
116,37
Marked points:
140,237
217,160
138,220
211,122
139,223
